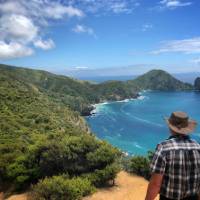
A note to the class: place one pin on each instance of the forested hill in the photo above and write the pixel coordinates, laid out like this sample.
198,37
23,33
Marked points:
25,107
78,95
40,136
159,80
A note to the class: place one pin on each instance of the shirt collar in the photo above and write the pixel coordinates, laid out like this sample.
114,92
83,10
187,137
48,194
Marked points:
179,137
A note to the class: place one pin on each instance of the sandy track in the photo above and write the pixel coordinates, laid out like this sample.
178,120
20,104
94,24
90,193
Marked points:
127,187
18,197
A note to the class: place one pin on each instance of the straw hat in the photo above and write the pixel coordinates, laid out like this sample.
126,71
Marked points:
179,122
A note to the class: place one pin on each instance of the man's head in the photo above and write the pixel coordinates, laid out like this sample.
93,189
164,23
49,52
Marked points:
179,123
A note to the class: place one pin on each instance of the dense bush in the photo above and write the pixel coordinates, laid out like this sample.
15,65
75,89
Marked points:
40,136
54,154
139,165
101,177
61,188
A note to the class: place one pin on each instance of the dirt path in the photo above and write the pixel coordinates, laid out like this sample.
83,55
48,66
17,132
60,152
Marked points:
128,187
18,197
15,197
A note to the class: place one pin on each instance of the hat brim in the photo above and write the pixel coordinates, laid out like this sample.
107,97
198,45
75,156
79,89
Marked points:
186,130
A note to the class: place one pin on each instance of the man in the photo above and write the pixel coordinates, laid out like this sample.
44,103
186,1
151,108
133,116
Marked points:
175,165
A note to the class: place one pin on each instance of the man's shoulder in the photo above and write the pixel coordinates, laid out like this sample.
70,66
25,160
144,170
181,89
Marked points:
167,142
174,143
195,143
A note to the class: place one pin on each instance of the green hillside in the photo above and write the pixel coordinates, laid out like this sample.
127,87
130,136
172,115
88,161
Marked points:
25,107
40,136
43,135
78,95
158,80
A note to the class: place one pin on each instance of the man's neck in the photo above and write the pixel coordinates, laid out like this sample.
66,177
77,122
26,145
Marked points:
179,136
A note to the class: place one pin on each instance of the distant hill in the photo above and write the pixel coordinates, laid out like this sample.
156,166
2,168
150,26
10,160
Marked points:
158,80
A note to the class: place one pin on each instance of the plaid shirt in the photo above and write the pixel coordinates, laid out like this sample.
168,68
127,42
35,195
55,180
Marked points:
178,159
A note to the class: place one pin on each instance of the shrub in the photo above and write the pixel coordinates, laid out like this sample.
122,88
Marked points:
140,166
101,177
61,188
56,154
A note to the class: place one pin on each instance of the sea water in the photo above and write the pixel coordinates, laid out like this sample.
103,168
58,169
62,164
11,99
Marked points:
137,125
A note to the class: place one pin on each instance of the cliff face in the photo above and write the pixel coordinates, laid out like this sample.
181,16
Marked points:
197,83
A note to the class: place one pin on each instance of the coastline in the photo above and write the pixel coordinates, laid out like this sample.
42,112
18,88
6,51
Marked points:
95,106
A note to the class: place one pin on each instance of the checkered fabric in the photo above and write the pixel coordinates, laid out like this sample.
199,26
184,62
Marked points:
178,159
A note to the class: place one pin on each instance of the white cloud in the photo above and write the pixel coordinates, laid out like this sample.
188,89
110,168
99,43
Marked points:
83,29
44,44
17,27
146,27
119,7
196,61
188,46
40,9
11,7
57,11
22,24
14,50
106,6
81,68
172,4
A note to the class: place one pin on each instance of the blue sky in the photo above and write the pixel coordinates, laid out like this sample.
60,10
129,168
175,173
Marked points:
92,34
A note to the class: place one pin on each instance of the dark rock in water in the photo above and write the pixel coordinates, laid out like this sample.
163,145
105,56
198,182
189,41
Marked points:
197,83
87,111
136,95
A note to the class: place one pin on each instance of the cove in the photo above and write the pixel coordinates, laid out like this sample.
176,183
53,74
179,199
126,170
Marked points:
136,126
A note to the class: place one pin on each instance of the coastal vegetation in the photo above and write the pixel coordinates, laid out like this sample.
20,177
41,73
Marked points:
75,94
139,165
45,143
80,95
42,138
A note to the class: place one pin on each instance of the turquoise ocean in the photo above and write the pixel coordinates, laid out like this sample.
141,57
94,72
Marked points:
136,126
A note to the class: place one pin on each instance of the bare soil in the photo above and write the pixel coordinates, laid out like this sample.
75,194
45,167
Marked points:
127,187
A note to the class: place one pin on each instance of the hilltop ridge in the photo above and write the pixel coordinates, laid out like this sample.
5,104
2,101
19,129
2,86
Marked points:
159,80
76,94
80,95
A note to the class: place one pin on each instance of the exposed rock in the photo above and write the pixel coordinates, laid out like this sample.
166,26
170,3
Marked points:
197,83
